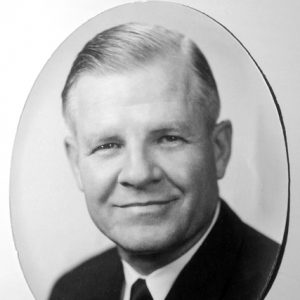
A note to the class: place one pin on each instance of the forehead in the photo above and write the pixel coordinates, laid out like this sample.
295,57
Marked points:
153,85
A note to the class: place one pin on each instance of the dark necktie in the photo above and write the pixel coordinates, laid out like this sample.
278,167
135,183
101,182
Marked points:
139,291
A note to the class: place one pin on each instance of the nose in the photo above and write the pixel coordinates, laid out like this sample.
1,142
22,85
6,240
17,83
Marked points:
139,170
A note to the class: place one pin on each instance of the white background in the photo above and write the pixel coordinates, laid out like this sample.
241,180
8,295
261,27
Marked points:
31,31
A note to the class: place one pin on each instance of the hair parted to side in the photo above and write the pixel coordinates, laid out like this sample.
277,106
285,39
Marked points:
129,46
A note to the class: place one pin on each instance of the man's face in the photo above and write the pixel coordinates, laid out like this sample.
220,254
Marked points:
143,157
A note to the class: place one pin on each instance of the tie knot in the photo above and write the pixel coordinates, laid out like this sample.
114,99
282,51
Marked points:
139,291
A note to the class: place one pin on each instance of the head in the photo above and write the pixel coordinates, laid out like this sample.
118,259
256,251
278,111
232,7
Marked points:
145,148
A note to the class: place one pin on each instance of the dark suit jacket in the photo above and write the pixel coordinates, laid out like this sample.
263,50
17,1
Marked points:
234,262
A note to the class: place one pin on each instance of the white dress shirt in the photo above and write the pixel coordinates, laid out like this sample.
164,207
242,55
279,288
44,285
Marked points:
160,281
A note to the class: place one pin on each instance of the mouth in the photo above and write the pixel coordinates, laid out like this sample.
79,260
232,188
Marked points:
148,203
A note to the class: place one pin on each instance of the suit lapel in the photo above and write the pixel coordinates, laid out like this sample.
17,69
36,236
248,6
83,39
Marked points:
207,273
111,278
115,290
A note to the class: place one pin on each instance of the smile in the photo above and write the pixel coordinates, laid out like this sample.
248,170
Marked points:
148,203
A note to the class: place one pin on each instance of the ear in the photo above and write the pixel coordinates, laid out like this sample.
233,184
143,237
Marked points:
73,156
221,136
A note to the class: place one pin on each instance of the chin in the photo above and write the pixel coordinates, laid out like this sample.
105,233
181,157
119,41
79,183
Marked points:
147,243
145,248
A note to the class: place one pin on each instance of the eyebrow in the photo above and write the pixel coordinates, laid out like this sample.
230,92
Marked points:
111,134
101,137
182,127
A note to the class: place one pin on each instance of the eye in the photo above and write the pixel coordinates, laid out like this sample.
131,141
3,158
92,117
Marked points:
106,147
171,139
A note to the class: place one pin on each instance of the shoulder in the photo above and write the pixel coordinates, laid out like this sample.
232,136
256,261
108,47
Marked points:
256,241
234,262
254,245
96,266
251,238
91,277
255,261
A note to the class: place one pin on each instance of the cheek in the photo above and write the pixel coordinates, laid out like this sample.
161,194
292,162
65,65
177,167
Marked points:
188,168
98,178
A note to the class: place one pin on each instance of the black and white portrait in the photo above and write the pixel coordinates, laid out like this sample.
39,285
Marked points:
144,166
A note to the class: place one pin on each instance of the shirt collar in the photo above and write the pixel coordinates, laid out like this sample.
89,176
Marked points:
161,280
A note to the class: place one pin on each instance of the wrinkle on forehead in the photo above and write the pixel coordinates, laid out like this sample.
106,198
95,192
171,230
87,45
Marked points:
183,83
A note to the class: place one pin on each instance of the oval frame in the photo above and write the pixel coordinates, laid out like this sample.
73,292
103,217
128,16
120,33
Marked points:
16,212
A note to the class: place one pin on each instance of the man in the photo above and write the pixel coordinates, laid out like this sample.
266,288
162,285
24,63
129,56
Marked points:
147,152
